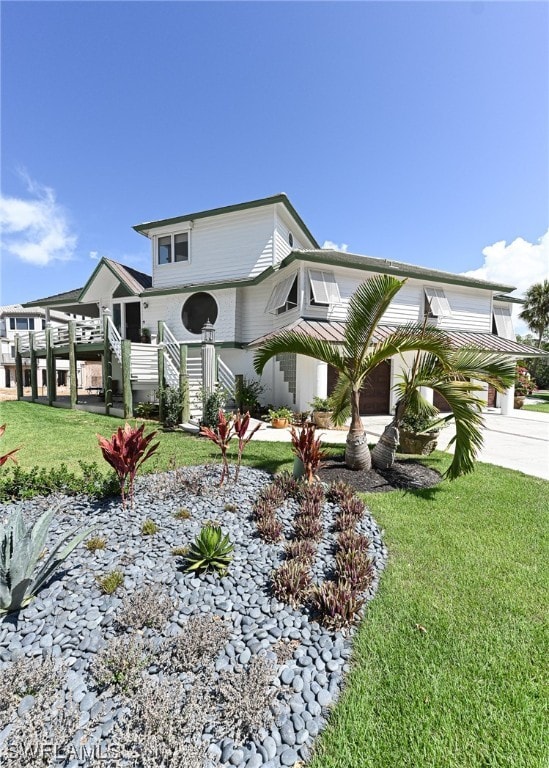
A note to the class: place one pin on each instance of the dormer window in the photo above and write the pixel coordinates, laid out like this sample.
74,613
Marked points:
436,303
324,288
284,296
173,248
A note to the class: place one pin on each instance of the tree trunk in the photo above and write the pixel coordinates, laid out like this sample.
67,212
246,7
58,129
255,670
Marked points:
383,454
357,453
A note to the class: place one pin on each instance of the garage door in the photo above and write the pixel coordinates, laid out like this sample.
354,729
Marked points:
375,394
440,403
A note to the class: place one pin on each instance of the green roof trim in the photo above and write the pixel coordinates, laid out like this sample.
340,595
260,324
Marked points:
57,298
273,200
509,299
389,267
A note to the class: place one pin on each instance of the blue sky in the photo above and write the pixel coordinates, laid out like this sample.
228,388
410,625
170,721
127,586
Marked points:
412,131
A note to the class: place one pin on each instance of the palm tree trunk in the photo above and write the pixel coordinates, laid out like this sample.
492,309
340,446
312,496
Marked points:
357,453
383,455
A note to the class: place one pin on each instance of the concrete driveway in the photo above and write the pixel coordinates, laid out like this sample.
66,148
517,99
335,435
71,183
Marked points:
520,441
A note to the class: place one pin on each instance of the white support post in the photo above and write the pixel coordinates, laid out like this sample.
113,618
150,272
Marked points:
507,401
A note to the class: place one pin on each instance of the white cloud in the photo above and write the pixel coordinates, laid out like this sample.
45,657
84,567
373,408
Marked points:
329,245
94,255
36,229
520,263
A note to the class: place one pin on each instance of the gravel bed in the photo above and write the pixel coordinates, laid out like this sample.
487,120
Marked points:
71,619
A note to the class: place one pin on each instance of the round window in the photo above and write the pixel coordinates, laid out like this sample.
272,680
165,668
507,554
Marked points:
291,239
197,310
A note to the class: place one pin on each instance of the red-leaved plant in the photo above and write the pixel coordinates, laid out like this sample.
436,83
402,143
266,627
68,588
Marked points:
306,446
241,426
127,449
221,436
9,454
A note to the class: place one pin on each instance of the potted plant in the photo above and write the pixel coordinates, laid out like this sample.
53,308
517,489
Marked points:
280,417
145,335
418,434
322,412
524,386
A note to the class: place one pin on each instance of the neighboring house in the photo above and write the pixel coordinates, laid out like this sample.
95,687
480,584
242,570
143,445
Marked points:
14,320
250,270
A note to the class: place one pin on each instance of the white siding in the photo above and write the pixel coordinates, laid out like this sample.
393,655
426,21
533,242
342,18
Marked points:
225,247
283,226
168,308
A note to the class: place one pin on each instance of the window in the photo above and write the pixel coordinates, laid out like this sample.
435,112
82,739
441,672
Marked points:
173,248
12,351
283,296
436,303
197,310
502,324
43,324
22,323
61,378
324,288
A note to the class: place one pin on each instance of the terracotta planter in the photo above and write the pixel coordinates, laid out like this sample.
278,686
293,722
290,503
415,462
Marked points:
519,401
421,444
279,423
323,419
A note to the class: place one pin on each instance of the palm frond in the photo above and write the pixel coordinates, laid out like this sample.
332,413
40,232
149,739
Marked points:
367,306
488,367
297,343
341,400
467,441
408,338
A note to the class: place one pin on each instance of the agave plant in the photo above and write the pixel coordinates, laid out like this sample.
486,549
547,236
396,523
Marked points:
9,454
127,449
210,551
20,549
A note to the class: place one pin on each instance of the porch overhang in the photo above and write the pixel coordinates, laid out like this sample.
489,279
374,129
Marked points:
334,331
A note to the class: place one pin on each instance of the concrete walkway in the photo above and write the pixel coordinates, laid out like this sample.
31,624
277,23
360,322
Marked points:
520,441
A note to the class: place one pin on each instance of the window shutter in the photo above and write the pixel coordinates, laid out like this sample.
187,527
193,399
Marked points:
504,324
279,296
324,287
440,306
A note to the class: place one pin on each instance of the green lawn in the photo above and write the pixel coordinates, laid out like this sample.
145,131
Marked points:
542,407
467,563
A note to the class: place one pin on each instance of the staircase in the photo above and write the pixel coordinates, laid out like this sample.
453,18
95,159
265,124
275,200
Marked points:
144,368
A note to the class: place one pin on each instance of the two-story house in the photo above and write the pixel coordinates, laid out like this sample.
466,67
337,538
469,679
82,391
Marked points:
250,270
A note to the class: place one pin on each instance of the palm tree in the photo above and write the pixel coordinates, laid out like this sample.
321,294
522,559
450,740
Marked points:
357,356
536,308
458,377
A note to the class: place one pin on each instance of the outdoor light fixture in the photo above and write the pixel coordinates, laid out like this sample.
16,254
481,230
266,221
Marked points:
145,305
208,333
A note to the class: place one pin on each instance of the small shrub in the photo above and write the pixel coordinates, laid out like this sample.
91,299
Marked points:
351,541
313,494
214,403
24,677
272,495
221,435
355,569
149,527
110,582
172,406
285,649
198,644
354,507
335,603
291,582
182,514
120,663
126,451
149,606
95,543
308,527
262,508
339,491
269,527
289,487
180,551
303,549
345,521
307,447
246,698
230,507
310,507
248,393
18,483
210,551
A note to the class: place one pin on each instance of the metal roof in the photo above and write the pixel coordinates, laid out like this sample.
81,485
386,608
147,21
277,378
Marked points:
327,330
